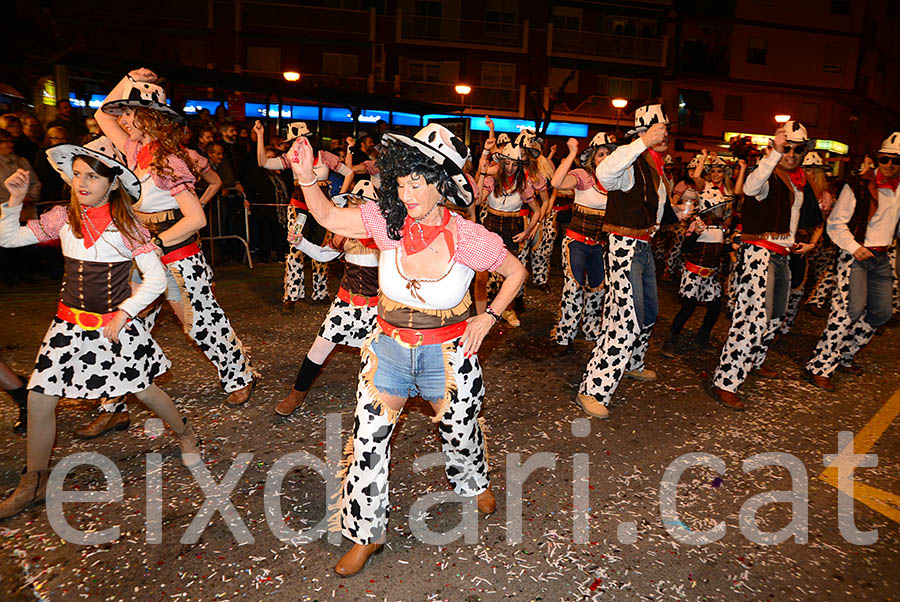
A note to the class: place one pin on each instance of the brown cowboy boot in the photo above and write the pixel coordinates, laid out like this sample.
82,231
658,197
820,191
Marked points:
32,488
486,502
286,406
240,396
728,399
106,421
357,558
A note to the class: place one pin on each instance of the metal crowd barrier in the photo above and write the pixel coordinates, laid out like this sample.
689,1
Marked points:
218,223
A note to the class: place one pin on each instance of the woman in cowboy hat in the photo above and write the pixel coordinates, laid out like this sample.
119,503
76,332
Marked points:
506,193
96,346
314,234
425,343
137,119
530,145
352,314
583,254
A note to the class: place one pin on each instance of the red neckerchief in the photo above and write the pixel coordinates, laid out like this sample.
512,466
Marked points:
798,178
417,237
94,221
720,187
658,161
145,155
882,182
368,243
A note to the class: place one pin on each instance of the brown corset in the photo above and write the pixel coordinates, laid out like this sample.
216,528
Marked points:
96,286
403,316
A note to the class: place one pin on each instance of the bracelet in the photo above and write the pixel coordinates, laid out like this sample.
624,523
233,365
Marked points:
307,184
492,314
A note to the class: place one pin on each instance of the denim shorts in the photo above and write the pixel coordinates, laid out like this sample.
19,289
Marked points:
405,372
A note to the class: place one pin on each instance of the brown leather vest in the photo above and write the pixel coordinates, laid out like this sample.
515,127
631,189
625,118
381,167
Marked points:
635,209
771,215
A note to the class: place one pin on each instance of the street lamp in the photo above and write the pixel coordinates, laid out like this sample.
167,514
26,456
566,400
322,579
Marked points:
782,118
463,90
291,76
619,104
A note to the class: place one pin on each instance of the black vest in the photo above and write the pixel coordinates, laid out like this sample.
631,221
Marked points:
635,209
771,215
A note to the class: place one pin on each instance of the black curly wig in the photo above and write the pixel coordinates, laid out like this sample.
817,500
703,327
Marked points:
397,160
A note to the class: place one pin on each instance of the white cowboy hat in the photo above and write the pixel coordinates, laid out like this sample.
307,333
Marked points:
891,144
510,152
102,149
142,95
295,129
796,133
647,115
449,152
600,139
813,160
530,141
364,190
502,140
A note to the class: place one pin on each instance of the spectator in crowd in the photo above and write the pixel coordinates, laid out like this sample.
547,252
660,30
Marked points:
221,115
68,119
205,137
93,129
10,162
33,129
381,126
363,150
268,232
22,144
53,188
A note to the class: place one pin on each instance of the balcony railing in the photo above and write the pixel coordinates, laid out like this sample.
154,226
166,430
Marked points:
289,17
460,32
504,99
606,46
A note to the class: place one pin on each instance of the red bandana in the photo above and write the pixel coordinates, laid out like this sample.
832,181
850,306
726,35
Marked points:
94,221
658,161
145,155
417,237
882,182
798,178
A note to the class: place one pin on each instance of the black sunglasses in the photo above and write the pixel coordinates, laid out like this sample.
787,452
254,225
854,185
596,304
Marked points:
891,160
797,149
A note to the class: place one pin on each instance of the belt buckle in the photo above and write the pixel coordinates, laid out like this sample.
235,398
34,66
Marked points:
402,343
705,272
353,296
78,313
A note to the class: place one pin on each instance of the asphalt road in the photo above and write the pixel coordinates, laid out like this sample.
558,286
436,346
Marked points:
528,410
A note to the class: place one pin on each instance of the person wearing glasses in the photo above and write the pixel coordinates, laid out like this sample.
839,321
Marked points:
775,195
864,226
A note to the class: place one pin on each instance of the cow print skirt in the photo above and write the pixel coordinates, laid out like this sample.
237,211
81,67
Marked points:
84,364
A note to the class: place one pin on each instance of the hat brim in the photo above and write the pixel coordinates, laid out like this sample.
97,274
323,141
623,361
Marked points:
117,107
343,199
464,194
61,157
583,156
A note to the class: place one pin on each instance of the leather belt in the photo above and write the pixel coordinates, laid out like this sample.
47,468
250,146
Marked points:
412,338
497,212
879,249
180,253
768,244
582,238
643,237
562,207
356,299
87,320
702,271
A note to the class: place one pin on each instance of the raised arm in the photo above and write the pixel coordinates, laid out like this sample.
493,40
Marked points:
742,175
562,179
697,174
109,124
757,183
13,235
260,132
343,221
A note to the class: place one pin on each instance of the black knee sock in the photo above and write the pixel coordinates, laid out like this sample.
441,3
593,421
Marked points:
308,372
20,396
713,309
687,309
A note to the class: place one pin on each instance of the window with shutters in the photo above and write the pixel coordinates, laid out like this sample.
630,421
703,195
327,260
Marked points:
734,107
342,65
498,75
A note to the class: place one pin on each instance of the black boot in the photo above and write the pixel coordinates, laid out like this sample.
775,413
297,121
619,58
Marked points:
670,348
701,341
20,396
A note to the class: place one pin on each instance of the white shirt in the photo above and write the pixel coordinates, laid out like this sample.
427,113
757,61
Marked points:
446,293
882,227
616,172
756,188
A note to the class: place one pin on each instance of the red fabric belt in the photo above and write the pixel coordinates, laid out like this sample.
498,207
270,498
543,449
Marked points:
299,204
768,244
562,207
879,249
410,337
87,320
525,211
644,237
357,299
582,238
702,271
181,253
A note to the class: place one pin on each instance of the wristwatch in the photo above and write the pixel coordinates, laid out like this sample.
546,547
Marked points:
157,241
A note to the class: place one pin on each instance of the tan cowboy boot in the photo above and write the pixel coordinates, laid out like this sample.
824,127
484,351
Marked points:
591,406
286,406
240,396
357,558
32,489
106,421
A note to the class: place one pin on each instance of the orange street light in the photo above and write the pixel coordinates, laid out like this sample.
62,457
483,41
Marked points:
782,118
619,103
291,76
463,89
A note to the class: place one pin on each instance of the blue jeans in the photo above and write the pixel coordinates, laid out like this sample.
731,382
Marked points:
871,283
405,372
643,285
778,285
586,263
